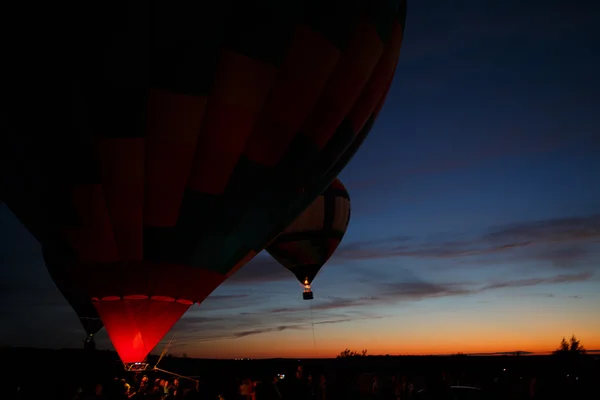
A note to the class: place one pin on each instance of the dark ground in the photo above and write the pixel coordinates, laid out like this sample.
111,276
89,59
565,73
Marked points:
41,373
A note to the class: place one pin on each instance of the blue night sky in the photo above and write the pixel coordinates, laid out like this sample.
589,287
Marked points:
475,210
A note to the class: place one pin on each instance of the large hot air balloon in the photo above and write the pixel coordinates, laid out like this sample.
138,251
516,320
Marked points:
308,243
183,138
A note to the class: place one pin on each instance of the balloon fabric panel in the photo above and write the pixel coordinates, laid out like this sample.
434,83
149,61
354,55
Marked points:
313,218
172,155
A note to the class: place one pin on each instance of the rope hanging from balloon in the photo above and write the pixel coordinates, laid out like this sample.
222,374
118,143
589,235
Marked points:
164,352
312,323
174,374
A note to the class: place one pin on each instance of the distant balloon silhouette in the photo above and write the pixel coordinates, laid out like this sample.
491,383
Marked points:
75,295
308,243
191,135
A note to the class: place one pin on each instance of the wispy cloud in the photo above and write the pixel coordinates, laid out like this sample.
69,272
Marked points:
520,283
551,230
397,292
552,296
193,329
562,241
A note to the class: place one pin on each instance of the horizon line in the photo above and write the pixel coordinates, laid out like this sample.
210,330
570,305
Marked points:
517,353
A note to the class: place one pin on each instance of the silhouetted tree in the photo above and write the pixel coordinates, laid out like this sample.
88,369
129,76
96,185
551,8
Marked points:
573,346
350,353
564,346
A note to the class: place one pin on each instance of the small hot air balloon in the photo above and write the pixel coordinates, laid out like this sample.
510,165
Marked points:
308,243
183,138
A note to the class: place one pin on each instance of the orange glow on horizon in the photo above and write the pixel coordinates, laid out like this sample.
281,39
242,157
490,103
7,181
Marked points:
531,330
292,346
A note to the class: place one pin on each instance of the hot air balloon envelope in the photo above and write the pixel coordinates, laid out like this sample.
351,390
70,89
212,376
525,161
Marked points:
306,245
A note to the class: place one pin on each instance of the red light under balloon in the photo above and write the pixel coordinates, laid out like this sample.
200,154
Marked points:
139,302
136,326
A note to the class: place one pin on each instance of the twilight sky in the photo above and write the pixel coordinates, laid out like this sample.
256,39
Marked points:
476,210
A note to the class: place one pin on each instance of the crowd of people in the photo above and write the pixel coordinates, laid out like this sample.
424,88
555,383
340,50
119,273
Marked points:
140,387
306,386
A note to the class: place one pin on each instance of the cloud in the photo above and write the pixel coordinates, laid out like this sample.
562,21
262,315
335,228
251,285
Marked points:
193,330
327,303
563,257
193,320
562,241
279,328
520,283
509,353
547,295
551,230
412,291
421,290
441,250
385,293
553,296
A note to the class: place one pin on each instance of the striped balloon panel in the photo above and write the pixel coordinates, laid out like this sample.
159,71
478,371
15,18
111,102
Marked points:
313,219
306,245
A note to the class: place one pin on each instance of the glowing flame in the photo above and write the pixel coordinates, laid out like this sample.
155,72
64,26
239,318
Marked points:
306,285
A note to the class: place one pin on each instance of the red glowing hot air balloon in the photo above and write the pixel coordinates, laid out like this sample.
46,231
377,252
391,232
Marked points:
308,243
184,138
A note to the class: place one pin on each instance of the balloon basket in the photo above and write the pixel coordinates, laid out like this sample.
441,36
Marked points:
89,344
137,367
307,295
